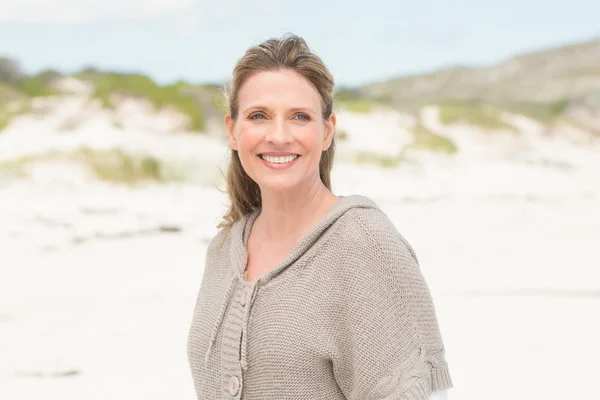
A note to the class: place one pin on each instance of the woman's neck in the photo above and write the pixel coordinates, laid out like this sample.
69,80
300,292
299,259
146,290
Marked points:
286,216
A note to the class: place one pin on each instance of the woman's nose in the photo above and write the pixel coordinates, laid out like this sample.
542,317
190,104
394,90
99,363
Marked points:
279,133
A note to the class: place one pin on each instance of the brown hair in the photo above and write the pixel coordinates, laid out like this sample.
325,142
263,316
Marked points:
289,52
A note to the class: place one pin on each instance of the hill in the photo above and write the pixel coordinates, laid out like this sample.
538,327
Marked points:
557,82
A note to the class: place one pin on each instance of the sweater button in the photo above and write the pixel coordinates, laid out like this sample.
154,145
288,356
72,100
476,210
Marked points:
234,385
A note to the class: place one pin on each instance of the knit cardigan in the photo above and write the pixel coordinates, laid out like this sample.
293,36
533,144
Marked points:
346,315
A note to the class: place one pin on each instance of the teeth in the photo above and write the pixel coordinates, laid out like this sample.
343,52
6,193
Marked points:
279,160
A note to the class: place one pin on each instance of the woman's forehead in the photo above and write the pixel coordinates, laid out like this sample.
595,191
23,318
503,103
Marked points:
285,88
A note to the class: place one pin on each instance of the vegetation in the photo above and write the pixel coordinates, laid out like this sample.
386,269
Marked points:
381,160
474,113
427,140
357,106
214,93
4,120
543,112
352,100
114,165
8,94
17,101
423,140
10,71
15,86
107,84
34,86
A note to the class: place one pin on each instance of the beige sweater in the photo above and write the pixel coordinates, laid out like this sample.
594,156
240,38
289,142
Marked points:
346,315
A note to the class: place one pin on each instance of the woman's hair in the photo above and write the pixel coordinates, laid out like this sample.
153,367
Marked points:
290,52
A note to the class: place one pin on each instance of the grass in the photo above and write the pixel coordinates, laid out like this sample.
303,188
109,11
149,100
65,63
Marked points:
542,112
6,113
352,101
381,160
473,113
114,166
427,140
423,140
8,94
35,86
362,106
217,100
4,120
28,87
107,84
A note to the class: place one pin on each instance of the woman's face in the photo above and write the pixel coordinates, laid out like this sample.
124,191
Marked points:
280,132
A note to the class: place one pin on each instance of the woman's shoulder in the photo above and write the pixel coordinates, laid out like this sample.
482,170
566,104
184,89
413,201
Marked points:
371,232
219,240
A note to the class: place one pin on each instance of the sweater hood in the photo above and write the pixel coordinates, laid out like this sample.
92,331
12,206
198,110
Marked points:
241,232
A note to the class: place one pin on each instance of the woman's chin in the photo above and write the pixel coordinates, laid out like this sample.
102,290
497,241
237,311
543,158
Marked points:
277,185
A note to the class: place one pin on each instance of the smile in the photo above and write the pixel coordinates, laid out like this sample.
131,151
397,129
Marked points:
279,163
279,160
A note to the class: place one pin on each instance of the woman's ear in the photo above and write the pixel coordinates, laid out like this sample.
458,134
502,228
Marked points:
329,131
229,125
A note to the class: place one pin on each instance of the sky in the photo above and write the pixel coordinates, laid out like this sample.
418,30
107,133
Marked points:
359,41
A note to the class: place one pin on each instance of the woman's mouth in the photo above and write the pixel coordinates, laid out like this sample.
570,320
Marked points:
279,162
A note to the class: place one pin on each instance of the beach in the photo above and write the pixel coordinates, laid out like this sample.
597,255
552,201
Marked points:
99,280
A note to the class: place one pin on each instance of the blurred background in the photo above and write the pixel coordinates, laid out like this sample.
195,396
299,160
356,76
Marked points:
474,125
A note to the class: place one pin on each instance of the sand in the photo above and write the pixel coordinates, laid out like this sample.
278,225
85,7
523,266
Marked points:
98,281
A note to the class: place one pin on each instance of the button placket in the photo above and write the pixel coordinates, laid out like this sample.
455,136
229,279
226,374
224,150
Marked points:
232,356
249,291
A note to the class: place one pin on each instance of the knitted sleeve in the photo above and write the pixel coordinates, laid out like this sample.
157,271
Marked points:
388,345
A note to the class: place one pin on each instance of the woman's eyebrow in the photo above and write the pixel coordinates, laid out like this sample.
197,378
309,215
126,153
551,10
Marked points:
302,109
262,107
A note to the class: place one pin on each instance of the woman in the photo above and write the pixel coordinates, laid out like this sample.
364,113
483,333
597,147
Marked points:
305,294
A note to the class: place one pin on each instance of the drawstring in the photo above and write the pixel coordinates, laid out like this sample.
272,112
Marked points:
219,318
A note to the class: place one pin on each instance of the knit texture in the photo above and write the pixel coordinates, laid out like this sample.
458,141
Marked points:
346,315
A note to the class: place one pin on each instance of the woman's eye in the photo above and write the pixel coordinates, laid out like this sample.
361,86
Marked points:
253,116
303,117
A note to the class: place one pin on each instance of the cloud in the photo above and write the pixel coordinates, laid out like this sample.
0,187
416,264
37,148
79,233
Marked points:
181,16
83,11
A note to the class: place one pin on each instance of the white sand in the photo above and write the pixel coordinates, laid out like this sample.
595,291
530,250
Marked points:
97,299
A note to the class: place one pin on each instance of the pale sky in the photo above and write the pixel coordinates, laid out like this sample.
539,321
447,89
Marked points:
360,41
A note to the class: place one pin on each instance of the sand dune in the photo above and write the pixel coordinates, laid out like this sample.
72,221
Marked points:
99,280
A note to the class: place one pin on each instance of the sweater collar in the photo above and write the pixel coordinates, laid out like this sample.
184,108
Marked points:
241,232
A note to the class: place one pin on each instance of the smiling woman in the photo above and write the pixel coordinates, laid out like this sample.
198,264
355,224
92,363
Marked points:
305,294
280,126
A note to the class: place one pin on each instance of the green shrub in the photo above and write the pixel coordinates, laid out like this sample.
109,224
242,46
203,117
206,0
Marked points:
481,115
118,166
381,160
427,140
357,106
48,75
215,92
351,100
173,95
8,94
10,70
18,106
543,112
114,165
35,86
